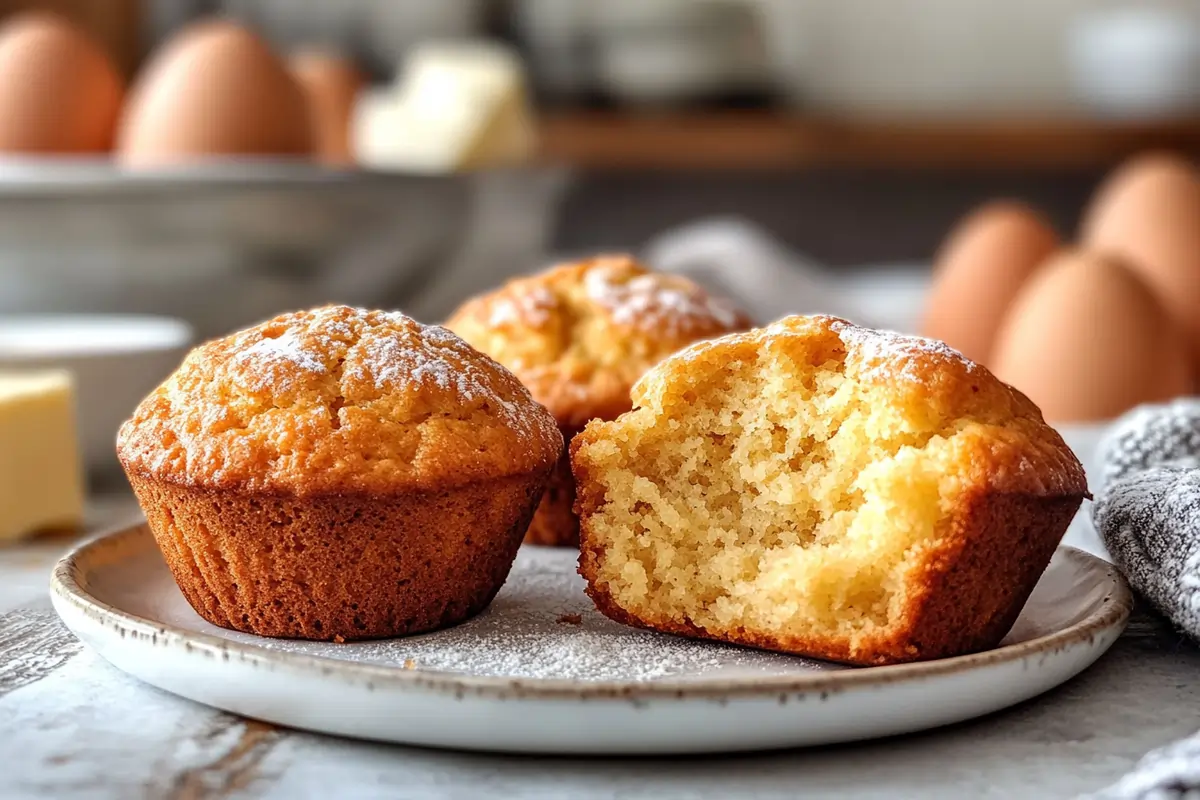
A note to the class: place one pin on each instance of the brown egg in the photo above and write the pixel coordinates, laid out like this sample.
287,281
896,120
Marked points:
979,270
216,89
59,90
1086,339
331,84
1148,214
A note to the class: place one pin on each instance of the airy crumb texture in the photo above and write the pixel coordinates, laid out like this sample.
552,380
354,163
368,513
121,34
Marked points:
580,335
823,489
338,399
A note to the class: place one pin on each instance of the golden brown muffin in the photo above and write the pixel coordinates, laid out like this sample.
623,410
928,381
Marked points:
339,474
579,336
822,489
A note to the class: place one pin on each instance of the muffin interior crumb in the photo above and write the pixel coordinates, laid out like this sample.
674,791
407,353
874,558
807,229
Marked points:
774,504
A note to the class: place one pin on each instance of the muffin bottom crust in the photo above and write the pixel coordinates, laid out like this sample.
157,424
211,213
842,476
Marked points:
340,567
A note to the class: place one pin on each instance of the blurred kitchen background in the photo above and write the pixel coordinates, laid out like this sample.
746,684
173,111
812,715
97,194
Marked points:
856,132
455,143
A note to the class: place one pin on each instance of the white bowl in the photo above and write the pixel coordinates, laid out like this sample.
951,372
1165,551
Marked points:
674,50
115,361
1137,62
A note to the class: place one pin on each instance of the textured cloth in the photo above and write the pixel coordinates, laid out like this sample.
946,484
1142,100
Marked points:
1168,773
1148,514
1151,435
1150,522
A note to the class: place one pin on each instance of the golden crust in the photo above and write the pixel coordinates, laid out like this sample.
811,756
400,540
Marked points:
580,335
1018,486
338,400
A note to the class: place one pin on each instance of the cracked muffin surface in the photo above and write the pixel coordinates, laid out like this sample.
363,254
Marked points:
338,399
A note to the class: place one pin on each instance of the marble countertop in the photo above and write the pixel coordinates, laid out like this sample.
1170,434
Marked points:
74,727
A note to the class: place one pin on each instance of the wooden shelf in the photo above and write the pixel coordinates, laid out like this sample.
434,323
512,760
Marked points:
765,140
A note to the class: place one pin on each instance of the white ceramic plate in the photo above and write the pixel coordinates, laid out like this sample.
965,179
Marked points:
542,672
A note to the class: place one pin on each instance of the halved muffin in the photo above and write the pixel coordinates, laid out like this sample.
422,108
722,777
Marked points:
579,336
339,474
823,489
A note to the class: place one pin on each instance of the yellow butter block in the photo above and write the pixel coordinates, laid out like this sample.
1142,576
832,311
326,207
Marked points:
41,481
458,106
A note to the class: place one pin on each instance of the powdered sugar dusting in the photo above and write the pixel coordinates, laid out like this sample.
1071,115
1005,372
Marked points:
530,306
269,360
657,301
438,335
882,355
895,356
543,627
408,355
301,401
440,361
276,363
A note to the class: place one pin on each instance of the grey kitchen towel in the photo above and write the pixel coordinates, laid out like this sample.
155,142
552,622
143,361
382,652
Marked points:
1168,773
1148,507
1151,435
1148,514
742,262
1149,522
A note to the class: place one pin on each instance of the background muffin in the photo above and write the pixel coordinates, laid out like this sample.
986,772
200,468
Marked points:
339,474
823,489
579,336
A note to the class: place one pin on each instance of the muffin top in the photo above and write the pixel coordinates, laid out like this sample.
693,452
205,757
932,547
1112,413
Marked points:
910,388
580,335
335,400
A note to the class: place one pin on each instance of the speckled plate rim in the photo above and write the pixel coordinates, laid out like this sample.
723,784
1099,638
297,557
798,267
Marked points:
1110,614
